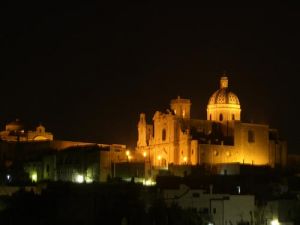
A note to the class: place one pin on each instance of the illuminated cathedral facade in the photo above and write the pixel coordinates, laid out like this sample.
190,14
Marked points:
15,132
176,138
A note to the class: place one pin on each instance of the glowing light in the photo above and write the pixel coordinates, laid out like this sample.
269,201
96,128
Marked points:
127,152
129,157
40,138
8,177
239,189
79,178
34,177
159,157
145,154
89,175
185,159
275,222
88,179
148,182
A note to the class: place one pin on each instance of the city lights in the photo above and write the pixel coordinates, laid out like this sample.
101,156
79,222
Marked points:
185,159
148,182
79,178
275,222
34,177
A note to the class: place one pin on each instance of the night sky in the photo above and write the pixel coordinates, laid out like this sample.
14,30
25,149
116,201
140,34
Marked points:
86,70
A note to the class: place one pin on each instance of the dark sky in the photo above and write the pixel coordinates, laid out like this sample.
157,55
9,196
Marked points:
86,70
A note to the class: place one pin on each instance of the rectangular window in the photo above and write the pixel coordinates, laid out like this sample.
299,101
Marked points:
251,136
196,195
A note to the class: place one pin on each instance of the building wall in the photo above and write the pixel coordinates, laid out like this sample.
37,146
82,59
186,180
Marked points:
214,112
278,152
92,163
254,151
216,154
223,208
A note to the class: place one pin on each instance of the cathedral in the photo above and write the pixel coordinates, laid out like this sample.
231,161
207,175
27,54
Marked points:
174,138
15,132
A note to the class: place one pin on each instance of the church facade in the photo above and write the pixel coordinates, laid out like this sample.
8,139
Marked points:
176,138
15,132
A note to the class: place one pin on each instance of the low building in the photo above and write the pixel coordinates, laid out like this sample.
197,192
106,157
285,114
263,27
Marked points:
219,209
77,163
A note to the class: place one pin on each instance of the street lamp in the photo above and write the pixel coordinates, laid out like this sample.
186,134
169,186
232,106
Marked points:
128,155
185,159
159,158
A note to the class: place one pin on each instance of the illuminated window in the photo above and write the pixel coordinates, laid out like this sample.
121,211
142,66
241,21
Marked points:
251,136
221,117
232,117
164,134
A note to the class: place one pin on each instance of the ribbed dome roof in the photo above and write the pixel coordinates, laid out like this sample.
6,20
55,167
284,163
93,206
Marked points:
224,95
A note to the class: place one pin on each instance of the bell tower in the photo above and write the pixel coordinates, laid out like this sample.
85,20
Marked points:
142,131
181,107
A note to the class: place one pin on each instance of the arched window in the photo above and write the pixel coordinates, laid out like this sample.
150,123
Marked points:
209,116
164,134
221,117
164,162
232,117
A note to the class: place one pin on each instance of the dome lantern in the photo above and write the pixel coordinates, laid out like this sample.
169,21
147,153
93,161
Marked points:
224,82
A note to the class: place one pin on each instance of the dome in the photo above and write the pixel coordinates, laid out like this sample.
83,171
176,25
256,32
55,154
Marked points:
223,105
223,95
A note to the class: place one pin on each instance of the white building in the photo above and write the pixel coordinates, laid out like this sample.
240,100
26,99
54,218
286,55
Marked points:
222,209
